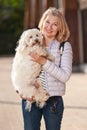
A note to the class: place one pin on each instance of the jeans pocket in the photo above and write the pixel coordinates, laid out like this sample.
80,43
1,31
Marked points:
53,104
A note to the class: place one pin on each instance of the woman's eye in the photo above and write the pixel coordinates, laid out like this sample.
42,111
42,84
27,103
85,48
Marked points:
47,22
55,24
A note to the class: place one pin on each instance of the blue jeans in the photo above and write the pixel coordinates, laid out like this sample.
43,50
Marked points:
52,113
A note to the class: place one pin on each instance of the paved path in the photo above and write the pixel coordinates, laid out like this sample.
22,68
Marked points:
75,114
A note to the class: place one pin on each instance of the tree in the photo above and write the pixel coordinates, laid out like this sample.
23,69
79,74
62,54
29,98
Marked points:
11,23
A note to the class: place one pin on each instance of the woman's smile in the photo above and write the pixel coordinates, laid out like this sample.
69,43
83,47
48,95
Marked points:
50,26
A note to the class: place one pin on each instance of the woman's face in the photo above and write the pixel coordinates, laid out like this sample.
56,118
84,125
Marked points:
50,26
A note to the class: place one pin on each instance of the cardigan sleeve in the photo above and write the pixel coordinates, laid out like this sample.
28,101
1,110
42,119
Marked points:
62,73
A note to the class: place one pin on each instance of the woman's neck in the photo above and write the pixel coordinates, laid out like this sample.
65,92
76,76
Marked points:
48,41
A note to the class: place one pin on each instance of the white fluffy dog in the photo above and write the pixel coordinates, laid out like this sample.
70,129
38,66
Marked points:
25,71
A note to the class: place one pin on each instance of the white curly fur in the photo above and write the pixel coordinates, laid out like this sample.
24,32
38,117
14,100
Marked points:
25,71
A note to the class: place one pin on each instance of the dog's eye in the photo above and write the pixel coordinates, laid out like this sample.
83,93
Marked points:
36,35
30,36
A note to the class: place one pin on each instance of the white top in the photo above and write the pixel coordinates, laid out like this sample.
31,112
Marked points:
55,76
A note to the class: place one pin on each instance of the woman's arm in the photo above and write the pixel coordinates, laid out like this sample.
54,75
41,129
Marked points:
61,73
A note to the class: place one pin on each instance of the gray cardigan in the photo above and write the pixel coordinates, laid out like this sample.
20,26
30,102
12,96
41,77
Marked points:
55,76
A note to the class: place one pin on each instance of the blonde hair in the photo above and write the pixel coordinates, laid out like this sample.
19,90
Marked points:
63,32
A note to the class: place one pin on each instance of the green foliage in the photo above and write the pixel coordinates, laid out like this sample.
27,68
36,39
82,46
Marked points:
11,19
11,15
12,3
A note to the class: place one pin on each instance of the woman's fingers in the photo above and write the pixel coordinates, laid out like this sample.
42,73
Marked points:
26,98
35,56
31,99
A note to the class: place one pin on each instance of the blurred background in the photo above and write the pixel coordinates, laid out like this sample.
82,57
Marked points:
18,15
11,24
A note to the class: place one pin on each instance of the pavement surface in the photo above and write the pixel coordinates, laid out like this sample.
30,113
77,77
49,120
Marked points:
75,100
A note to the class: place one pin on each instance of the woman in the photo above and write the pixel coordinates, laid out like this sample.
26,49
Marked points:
54,74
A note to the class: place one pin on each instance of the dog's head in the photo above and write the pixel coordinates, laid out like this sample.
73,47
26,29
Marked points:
30,38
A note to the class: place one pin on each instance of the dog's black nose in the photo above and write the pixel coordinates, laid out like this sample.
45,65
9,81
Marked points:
36,40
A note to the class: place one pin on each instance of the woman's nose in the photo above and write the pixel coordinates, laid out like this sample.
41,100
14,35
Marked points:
49,26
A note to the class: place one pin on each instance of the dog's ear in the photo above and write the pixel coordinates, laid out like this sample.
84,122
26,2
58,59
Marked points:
21,47
22,43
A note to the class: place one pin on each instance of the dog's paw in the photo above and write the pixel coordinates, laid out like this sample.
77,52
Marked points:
50,57
41,104
28,106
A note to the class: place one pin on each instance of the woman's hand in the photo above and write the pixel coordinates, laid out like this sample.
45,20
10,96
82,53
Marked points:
37,58
26,98
32,99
